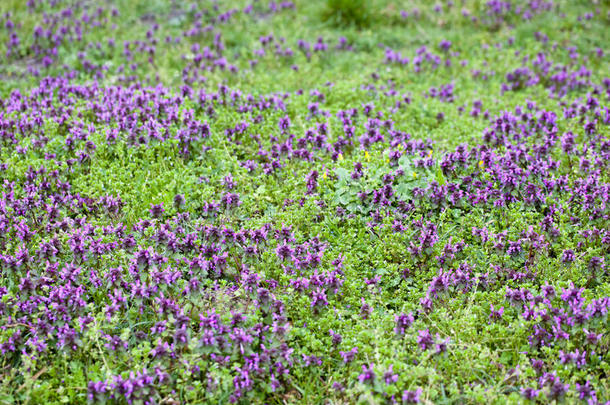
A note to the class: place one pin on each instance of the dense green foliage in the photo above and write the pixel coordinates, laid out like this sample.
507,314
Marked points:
405,201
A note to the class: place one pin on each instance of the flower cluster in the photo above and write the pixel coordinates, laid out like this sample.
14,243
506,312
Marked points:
198,205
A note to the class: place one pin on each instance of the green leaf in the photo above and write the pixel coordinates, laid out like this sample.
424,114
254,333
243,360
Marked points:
342,173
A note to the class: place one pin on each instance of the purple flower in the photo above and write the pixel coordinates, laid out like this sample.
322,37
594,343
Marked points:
228,182
592,337
156,210
585,390
96,390
349,355
368,375
596,263
179,201
567,142
284,123
529,393
537,364
365,309
548,291
284,251
230,200
336,338
424,339
403,321
312,182
411,397
318,298
338,387
576,357
568,256
161,350
496,314
441,345
558,389
389,377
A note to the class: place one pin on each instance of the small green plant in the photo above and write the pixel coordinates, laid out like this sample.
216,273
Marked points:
348,13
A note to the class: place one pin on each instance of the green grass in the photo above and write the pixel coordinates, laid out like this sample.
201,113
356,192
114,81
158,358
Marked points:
475,368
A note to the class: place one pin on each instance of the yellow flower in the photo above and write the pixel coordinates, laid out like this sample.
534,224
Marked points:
429,153
366,155
414,175
325,176
481,164
340,157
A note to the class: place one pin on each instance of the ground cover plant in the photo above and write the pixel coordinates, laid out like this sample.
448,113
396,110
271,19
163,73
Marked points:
321,202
